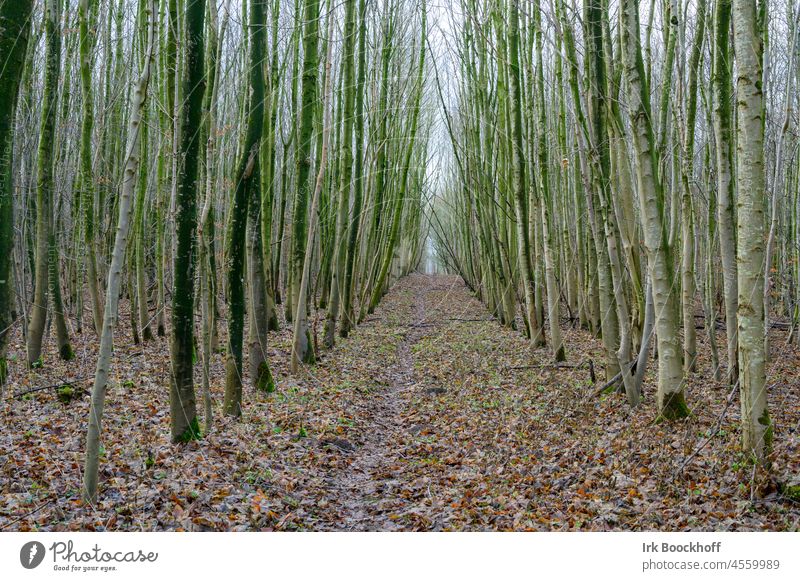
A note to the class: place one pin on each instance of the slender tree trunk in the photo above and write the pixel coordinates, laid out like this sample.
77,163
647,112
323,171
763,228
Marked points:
92,459
302,347
721,84
183,411
757,429
688,290
88,193
345,175
47,271
247,183
670,399
356,220
519,185
303,350
545,201
14,33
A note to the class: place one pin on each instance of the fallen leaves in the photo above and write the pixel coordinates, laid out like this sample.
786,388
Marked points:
431,416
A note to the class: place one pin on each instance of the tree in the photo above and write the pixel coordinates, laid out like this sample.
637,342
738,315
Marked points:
47,280
14,34
345,173
86,174
721,84
183,412
757,427
670,398
518,174
303,350
247,186
139,97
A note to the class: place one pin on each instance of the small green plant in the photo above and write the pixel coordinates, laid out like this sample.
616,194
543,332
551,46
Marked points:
128,384
302,433
790,491
150,461
66,393
258,477
38,364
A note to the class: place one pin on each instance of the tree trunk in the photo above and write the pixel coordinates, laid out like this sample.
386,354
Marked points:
91,462
14,33
303,350
757,429
183,411
670,399
247,180
721,84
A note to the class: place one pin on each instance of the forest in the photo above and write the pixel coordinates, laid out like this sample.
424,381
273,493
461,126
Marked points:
399,265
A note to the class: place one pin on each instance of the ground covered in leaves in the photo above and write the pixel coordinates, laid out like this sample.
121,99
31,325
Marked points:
431,416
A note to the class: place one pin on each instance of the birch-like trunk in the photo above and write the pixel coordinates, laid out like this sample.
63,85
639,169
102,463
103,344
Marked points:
751,197
91,462
670,399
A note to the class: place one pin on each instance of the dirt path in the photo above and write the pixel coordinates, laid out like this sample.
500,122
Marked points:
367,487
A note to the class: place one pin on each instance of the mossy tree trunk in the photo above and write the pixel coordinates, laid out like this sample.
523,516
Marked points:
183,409
247,181
47,256
14,33
303,350
345,175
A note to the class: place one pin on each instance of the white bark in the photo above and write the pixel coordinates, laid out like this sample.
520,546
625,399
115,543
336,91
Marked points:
669,397
90,473
751,197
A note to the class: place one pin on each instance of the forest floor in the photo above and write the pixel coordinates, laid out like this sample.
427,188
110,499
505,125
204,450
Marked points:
431,416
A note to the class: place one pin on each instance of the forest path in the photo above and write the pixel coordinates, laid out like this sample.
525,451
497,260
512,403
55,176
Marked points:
367,489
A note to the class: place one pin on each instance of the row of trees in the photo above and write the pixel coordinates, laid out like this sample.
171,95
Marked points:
618,163
205,158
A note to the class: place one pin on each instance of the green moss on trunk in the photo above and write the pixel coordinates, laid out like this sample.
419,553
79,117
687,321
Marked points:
66,353
265,381
309,357
769,431
192,432
674,407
